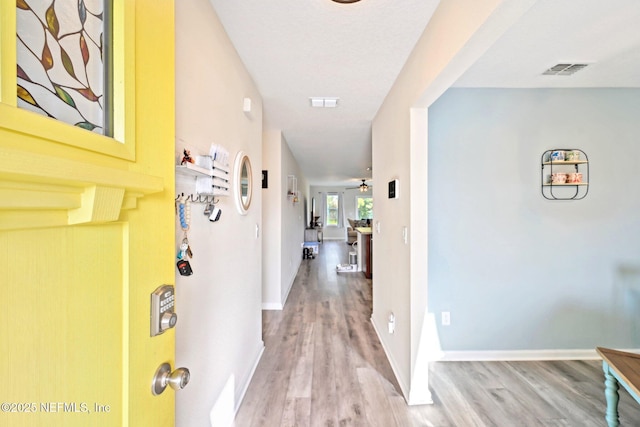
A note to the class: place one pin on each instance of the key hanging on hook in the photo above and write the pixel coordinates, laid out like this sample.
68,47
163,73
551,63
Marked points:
184,252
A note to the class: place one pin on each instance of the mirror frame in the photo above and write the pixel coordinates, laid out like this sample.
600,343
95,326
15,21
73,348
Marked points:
241,160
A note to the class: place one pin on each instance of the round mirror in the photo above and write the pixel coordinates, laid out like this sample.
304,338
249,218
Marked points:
243,176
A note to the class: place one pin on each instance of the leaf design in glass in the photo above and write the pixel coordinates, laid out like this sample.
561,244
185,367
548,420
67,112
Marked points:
47,58
62,94
57,86
26,96
21,4
88,93
22,75
86,125
52,20
66,62
82,12
84,49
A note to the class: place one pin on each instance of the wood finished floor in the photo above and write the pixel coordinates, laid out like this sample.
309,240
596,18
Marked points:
324,366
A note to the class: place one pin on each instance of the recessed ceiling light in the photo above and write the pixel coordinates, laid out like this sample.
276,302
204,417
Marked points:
330,102
346,1
317,102
324,102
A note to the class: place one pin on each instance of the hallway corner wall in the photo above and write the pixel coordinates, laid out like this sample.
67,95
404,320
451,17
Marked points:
284,221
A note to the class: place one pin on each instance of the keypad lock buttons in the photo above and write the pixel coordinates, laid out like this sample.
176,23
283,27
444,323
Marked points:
163,314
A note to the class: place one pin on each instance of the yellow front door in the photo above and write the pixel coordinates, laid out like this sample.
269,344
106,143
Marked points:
86,235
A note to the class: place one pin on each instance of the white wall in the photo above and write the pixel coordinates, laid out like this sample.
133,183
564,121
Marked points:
517,271
456,36
293,221
272,221
218,335
285,221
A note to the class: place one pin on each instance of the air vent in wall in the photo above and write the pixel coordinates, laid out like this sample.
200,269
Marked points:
564,69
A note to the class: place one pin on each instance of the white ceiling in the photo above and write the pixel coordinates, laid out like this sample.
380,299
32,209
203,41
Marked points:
297,49
602,33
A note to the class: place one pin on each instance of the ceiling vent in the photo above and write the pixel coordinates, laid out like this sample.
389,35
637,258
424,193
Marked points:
564,69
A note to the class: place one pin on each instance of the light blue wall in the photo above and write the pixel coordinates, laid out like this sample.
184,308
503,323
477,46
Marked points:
516,271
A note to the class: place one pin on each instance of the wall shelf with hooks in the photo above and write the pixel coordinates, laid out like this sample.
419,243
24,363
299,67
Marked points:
565,174
192,170
212,177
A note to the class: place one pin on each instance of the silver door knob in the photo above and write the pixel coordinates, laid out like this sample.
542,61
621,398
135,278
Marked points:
177,379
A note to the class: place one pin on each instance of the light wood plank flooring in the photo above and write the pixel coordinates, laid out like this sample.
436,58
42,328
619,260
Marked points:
324,366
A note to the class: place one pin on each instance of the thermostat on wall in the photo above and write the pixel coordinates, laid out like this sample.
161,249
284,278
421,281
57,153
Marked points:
394,192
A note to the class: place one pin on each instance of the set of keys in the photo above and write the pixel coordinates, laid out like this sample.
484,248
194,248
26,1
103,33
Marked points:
184,212
183,258
185,249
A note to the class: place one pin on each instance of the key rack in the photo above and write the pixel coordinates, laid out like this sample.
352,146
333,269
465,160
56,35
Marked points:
199,198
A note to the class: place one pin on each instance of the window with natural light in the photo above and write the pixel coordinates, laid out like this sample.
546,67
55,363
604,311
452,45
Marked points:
364,207
332,209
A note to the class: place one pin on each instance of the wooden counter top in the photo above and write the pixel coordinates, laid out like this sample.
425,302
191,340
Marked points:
363,230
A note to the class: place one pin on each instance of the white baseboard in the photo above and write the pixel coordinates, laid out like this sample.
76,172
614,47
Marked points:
272,306
280,305
508,355
226,405
247,381
404,389
410,398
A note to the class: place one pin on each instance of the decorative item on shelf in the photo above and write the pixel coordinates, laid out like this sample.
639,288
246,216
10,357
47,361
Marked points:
565,174
292,188
186,157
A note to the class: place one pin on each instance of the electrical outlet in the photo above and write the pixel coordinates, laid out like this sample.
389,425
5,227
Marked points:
446,318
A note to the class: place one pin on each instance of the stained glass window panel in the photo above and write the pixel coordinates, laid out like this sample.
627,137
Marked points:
60,60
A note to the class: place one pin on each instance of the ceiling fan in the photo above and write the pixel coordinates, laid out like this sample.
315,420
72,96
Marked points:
362,187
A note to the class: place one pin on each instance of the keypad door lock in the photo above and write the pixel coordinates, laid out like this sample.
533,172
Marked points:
163,303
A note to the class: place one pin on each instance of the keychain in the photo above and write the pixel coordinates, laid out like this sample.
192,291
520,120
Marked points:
208,208
184,253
